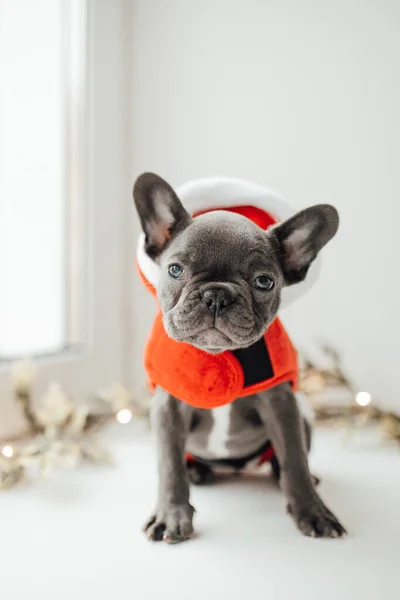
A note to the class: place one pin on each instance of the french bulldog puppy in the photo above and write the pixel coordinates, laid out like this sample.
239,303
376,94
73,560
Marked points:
221,278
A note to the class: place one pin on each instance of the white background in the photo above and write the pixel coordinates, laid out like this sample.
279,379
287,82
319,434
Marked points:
303,97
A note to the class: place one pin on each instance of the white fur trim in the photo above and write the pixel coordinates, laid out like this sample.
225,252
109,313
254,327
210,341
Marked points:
208,193
203,194
148,267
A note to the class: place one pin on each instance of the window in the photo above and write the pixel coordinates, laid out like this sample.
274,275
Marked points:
42,100
65,184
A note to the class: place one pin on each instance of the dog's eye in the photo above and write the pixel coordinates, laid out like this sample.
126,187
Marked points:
176,271
263,283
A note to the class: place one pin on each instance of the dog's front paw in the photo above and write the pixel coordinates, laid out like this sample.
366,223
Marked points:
316,520
171,523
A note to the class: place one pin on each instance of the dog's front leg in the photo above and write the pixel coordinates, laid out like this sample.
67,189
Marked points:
172,519
278,409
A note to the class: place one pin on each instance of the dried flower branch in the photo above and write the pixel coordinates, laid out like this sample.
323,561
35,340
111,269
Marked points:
60,432
315,381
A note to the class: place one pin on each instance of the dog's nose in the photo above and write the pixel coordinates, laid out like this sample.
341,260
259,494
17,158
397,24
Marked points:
218,299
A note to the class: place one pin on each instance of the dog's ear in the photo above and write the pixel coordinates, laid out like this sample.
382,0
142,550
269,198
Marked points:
160,211
301,237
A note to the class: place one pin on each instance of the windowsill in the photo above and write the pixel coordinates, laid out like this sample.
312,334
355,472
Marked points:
65,354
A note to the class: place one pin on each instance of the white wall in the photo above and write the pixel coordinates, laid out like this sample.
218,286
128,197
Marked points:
303,96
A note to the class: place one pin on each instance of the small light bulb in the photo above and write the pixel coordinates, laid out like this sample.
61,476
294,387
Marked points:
363,398
7,451
124,415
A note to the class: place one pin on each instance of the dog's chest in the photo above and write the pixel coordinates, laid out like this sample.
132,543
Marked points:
234,430
230,431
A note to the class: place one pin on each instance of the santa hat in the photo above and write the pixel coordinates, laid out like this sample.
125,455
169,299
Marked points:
261,204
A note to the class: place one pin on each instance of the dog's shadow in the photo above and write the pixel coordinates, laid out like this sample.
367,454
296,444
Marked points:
253,483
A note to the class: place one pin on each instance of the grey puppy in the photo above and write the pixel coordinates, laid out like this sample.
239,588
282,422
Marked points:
220,287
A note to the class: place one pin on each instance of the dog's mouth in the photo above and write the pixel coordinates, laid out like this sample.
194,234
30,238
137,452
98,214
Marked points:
237,328
212,340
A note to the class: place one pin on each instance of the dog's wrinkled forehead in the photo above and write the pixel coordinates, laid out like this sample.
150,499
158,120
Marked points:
220,241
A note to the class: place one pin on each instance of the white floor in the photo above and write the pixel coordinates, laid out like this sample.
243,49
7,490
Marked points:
77,535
